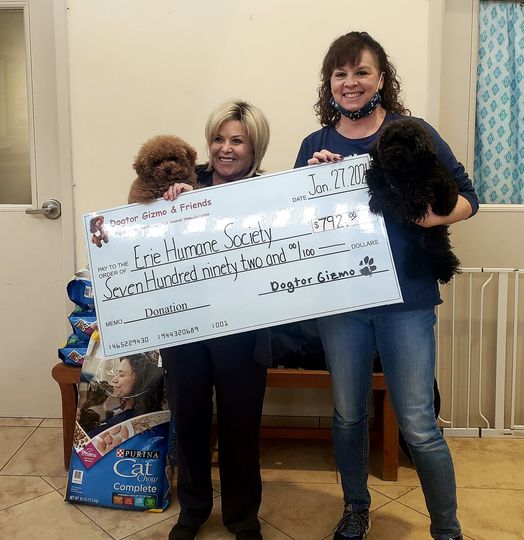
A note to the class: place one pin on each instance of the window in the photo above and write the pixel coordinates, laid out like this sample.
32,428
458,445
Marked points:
499,127
15,173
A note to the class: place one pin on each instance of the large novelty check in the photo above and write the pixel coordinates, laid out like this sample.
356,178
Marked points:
230,258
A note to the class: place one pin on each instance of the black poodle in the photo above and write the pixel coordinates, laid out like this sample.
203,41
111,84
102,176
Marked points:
404,178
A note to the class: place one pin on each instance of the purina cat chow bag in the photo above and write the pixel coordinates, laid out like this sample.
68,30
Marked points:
120,443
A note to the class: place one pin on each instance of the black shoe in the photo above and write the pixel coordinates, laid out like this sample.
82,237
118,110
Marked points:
353,526
183,532
248,535
447,537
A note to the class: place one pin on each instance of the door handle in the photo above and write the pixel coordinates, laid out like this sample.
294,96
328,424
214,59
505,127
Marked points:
51,209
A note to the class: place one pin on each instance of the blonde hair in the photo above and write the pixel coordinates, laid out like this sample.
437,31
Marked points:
254,121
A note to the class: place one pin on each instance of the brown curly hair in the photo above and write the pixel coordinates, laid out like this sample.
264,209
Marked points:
347,49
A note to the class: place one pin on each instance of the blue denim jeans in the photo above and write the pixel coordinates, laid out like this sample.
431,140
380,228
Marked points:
405,342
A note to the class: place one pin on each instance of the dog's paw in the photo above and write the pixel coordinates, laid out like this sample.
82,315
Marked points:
367,266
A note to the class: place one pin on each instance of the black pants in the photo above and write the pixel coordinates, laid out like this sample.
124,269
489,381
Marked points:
227,364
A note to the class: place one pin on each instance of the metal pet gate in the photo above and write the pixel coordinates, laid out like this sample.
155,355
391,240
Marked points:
480,339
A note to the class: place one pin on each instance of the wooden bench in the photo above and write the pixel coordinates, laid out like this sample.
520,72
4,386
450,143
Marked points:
68,378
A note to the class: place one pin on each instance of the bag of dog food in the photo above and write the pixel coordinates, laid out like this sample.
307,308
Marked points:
120,442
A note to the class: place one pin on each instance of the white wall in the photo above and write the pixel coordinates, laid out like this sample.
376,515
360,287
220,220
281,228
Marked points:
143,68
492,239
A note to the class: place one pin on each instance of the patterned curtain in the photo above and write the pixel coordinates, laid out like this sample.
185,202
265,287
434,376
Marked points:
499,131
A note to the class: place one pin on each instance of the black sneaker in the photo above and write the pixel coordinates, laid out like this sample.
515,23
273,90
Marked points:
183,532
353,525
248,535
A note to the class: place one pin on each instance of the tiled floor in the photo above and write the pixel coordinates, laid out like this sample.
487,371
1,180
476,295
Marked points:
301,498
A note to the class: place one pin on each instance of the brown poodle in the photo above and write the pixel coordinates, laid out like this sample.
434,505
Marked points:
162,161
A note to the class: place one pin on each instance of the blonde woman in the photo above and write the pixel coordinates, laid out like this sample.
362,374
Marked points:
233,366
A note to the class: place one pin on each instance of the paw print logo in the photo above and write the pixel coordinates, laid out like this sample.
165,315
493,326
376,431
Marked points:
367,266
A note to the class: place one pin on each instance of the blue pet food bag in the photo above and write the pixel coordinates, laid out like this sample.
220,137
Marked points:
73,351
80,290
83,323
122,433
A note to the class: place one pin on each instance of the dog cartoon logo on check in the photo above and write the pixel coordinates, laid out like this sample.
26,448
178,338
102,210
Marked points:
97,229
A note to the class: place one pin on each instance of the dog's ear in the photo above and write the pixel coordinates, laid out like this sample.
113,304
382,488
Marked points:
191,154
373,153
139,164
422,140
144,155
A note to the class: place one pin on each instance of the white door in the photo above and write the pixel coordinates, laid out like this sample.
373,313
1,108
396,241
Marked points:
37,252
